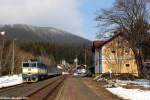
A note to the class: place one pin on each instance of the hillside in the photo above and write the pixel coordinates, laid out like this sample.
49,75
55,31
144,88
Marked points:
25,33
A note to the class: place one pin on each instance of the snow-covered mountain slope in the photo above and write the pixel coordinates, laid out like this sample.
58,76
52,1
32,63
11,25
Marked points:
42,34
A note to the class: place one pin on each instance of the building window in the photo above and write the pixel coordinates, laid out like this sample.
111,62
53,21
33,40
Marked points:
126,50
119,42
127,65
113,50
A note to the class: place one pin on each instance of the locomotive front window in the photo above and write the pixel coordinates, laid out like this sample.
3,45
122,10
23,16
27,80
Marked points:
33,65
25,64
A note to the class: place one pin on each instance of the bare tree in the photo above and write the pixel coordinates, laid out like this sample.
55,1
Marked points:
131,18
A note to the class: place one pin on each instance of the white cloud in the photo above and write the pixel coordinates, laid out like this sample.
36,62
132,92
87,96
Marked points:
63,14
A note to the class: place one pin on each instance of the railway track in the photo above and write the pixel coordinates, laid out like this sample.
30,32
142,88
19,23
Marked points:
48,92
11,87
31,91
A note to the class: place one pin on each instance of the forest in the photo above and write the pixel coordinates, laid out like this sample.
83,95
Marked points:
49,53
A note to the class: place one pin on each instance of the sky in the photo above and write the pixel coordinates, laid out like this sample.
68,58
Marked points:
75,16
89,9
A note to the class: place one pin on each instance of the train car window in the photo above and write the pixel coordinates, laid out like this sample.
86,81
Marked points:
33,64
39,65
25,64
43,65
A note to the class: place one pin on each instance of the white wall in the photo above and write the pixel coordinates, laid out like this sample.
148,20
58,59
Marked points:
103,59
96,61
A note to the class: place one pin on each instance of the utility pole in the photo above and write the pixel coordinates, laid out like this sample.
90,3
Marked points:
1,57
85,57
13,57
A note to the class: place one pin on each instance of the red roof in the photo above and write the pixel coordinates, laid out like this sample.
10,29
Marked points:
97,43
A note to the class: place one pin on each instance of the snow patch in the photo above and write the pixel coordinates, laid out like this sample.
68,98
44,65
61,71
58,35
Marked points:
131,94
10,80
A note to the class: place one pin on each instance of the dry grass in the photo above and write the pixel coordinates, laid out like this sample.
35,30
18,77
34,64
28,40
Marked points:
97,88
135,86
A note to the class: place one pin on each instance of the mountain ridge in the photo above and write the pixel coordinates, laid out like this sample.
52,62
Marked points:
26,33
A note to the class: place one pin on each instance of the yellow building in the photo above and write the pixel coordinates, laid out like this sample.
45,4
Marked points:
115,56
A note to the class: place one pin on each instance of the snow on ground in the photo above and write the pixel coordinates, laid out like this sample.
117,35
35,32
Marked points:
131,94
10,80
142,82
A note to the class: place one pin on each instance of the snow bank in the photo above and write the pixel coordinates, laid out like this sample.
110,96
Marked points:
10,80
131,94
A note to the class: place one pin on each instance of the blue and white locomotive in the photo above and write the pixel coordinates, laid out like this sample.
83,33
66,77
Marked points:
33,71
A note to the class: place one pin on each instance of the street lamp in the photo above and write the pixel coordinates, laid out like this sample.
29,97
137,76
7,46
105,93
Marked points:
76,61
1,57
13,56
3,33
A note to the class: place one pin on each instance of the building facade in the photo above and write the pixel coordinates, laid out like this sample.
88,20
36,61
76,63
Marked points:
115,56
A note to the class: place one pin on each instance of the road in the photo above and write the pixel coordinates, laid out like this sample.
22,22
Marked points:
75,89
